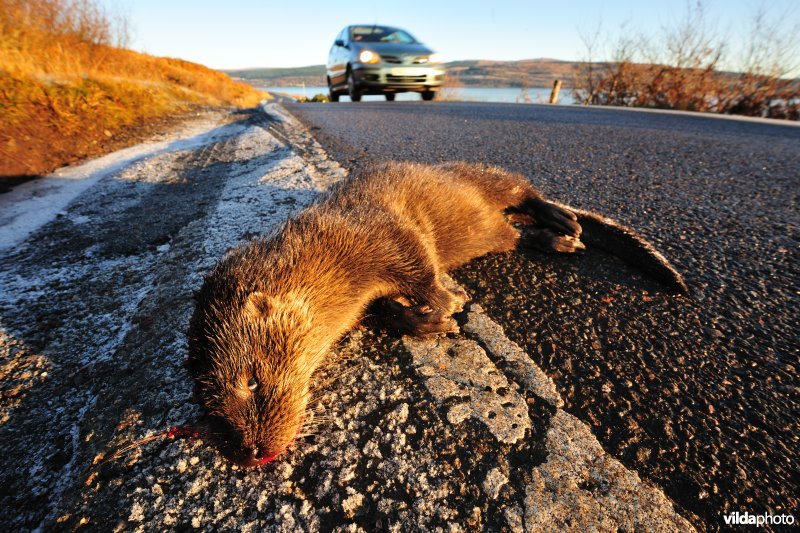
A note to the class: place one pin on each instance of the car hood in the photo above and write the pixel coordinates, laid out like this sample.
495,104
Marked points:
396,49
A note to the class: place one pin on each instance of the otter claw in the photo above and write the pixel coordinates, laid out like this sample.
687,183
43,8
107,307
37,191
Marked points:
554,217
419,320
429,325
432,329
548,241
567,244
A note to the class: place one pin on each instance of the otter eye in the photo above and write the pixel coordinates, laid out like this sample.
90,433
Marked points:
252,384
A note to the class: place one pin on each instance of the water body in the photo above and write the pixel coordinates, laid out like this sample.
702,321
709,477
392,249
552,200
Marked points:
533,95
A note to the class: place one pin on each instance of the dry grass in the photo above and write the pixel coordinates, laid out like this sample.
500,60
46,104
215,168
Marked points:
65,89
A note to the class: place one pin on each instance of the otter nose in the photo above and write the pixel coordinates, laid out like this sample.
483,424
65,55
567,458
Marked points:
248,457
261,456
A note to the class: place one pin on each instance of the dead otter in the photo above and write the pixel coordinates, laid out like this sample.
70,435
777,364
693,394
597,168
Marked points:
270,311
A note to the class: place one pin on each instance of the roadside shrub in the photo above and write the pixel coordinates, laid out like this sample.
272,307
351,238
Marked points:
317,98
451,88
682,70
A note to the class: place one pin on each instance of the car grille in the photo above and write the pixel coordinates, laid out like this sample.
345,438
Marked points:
399,60
406,79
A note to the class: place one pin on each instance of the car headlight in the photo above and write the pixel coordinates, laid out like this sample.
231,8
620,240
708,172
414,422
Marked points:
368,56
435,58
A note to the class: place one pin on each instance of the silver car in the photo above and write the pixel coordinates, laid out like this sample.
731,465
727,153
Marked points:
371,59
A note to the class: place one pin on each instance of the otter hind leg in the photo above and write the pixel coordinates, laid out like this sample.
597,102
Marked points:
513,192
505,237
551,216
549,227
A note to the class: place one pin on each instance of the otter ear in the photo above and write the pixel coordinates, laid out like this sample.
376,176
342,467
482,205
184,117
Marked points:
257,305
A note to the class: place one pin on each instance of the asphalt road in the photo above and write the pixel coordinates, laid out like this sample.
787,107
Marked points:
98,263
698,394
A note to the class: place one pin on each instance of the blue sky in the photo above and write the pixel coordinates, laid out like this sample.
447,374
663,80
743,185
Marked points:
245,33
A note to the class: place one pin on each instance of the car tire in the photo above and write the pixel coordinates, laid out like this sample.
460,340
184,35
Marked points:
389,97
428,95
355,94
333,96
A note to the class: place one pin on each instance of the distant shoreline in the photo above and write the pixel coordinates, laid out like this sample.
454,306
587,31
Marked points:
317,82
529,73
527,95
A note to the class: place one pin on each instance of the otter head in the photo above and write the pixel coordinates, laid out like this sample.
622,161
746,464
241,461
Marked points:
251,366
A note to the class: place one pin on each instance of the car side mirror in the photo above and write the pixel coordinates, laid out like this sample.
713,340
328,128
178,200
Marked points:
339,42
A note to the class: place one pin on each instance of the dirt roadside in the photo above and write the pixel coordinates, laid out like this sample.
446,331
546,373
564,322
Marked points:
102,144
454,434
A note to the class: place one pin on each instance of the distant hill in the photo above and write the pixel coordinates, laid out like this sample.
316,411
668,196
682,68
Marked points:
470,73
527,72
281,77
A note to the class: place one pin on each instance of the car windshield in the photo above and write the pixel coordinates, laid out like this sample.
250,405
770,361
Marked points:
380,34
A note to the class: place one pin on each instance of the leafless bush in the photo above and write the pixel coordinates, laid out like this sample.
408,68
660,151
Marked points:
684,75
764,87
524,97
588,75
683,69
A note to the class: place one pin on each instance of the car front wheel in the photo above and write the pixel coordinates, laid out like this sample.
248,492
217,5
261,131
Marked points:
428,95
389,97
354,93
333,96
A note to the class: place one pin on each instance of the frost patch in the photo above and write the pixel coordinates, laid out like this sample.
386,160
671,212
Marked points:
20,371
258,197
31,205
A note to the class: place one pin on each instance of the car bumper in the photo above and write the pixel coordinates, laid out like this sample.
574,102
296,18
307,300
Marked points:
382,78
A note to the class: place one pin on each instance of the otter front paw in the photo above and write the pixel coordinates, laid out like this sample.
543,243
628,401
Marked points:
419,320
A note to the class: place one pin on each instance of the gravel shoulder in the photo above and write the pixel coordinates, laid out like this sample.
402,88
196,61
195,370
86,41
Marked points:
454,434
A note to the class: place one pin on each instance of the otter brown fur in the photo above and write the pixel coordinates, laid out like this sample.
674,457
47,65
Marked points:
271,310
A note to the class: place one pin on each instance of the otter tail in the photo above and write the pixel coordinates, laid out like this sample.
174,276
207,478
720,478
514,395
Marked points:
629,246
